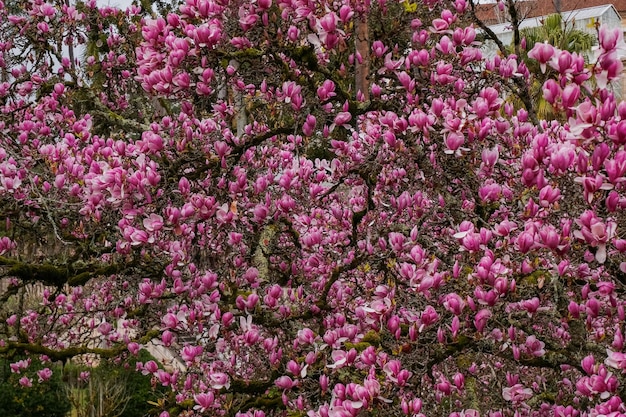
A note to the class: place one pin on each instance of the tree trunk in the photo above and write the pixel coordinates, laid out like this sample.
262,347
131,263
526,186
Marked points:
362,63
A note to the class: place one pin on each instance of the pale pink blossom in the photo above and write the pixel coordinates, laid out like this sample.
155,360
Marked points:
26,382
517,393
203,401
534,346
542,52
615,360
44,374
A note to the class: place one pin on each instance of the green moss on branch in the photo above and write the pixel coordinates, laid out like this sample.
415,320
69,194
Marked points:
55,275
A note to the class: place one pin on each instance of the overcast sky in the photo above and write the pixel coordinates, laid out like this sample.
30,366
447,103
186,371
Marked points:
122,4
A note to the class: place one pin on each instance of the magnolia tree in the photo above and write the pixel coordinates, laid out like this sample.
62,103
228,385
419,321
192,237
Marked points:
322,209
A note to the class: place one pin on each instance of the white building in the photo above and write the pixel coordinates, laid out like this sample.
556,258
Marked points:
586,20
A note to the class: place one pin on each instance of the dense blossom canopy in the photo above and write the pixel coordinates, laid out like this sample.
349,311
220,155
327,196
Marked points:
316,208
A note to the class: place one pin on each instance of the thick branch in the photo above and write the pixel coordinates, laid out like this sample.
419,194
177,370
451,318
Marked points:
60,355
515,23
322,303
258,140
553,359
68,353
115,119
492,36
54,275
252,387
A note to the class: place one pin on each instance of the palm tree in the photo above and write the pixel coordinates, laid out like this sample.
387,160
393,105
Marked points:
561,34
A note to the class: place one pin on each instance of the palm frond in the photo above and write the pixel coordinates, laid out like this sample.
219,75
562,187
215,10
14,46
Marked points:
560,33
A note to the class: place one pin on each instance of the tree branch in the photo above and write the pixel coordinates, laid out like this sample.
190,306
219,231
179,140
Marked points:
54,275
68,353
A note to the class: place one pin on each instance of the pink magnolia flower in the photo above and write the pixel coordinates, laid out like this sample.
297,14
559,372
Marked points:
534,346
595,232
454,303
615,360
610,38
616,167
549,195
292,93
343,118
585,118
19,366
526,241
440,25
531,305
395,373
167,337
464,36
609,69
618,340
137,236
550,237
189,353
466,413
44,374
445,45
562,156
203,401
490,192
429,316
542,52
562,62
306,336
588,364
551,91
170,321
444,386
309,126
490,156
396,240
569,95
26,382
602,383
340,359
327,30
379,49
459,380
517,393
153,223
418,58
326,91
391,64
481,318
593,184
324,381
219,380
134,348
150,367
285,383
368,356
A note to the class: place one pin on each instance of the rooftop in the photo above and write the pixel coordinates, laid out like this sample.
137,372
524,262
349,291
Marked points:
488,11
579,14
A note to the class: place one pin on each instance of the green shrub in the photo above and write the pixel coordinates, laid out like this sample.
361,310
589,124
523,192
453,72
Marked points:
112,389
139,387
47,399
